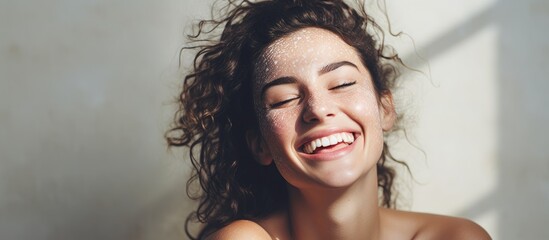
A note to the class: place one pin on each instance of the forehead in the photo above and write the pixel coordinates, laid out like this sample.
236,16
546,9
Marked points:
303,49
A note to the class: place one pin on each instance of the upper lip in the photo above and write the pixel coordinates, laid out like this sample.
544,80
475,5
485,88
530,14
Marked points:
315,134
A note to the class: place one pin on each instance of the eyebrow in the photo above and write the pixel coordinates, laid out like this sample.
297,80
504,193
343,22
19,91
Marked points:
288,80
278,81
333,66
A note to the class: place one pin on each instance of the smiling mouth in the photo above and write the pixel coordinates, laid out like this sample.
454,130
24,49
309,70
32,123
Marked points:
328,142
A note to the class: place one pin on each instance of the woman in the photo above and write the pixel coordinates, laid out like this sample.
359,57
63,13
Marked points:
285,115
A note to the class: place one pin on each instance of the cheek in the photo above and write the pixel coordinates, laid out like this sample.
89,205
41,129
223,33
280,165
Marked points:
278,129
363,104
278,124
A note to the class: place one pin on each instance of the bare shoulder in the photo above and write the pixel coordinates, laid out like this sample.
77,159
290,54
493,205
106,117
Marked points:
240,229
270,227
451,228
423,226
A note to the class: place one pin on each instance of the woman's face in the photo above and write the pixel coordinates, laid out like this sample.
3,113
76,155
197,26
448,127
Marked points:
318,112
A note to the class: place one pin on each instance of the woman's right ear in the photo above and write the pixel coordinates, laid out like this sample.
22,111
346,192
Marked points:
258,147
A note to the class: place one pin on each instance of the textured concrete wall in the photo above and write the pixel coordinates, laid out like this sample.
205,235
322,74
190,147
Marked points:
85,88
85,91
482,117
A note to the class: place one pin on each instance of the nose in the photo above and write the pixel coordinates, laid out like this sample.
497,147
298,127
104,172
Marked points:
318,108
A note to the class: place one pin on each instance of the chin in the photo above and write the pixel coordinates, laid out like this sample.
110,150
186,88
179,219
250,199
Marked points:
344,179
333,178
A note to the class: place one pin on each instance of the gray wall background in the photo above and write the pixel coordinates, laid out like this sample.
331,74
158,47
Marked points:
86,87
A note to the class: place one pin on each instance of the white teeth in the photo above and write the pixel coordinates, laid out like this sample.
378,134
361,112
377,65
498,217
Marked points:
318,144
351,138
348,138
325,142
328,141
333,140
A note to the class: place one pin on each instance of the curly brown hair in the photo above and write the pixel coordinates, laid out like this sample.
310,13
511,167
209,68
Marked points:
216,105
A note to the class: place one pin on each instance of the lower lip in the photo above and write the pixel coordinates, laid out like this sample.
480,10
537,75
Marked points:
329,156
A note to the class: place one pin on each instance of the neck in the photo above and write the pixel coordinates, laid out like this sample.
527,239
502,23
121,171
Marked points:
342,213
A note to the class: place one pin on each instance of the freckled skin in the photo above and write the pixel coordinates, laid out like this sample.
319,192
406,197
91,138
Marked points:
334,199
300,55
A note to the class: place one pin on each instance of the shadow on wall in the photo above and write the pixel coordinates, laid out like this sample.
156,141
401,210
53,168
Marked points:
521,196
523,192
96,180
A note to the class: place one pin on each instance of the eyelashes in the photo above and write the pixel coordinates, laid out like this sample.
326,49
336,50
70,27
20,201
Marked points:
282,103
287,101
344,85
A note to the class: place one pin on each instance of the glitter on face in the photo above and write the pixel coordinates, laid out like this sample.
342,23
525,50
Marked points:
299,56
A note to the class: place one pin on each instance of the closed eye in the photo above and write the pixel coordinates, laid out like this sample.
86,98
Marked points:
344,85
282,103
